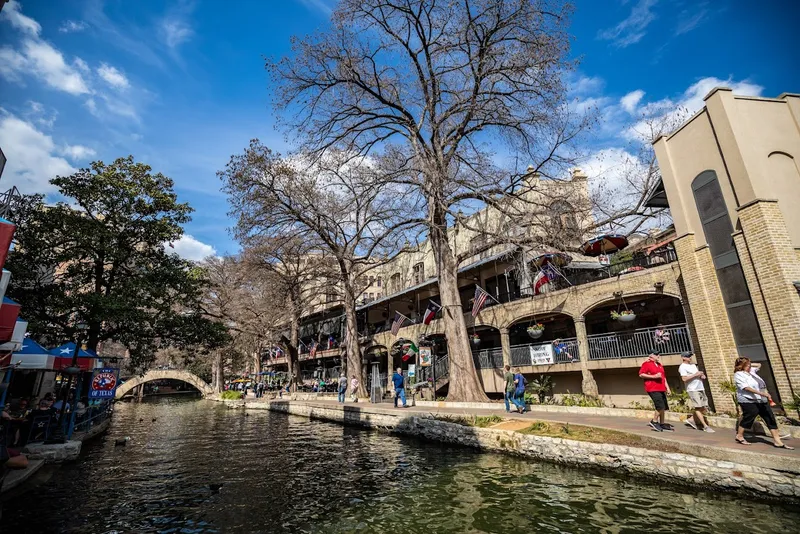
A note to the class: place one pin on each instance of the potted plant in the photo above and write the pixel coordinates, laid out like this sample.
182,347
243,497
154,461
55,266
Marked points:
535,331
476,339
624,316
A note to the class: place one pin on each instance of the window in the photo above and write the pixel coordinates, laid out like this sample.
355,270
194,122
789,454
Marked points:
330,295
378,281
478,242
395,282
419,273
717,229
371,280
371,296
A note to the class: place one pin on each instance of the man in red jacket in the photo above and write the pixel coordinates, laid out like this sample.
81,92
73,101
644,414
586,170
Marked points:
655,384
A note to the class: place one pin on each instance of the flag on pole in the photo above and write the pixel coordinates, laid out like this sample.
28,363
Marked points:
330,342
546,275
410,350
430,312
399,319
480,299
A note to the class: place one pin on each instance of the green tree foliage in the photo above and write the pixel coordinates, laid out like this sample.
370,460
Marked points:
98,256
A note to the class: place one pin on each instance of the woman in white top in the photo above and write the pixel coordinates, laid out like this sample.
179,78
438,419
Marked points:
752,395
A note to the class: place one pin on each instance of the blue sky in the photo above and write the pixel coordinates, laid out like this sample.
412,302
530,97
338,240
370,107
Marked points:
181,84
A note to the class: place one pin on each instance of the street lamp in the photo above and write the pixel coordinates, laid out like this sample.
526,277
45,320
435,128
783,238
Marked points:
72,371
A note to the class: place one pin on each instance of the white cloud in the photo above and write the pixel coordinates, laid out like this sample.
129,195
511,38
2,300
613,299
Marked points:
112,76
632,29
691,101
691,20
12,64
81,65
78,152
587,84
175,32
70,26
189,248
32,156
322,6
40,115
631,100
13,14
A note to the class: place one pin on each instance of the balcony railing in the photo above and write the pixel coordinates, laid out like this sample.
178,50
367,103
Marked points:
579,277
488,358
565,351
672,339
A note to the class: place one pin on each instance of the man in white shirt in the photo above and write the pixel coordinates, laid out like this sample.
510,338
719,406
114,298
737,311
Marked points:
693,382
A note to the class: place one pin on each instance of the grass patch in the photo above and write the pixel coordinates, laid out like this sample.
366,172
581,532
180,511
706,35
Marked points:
230,395
583,433
480,421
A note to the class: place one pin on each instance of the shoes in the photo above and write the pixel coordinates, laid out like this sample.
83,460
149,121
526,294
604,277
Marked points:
655,426
709,430
666,427
690,424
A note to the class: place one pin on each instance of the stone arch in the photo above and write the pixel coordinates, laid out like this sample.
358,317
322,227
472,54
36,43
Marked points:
603,300
172,374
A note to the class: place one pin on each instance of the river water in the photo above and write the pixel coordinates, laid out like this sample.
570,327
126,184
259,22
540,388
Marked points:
283,473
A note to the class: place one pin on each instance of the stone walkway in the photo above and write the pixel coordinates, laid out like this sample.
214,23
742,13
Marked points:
723,437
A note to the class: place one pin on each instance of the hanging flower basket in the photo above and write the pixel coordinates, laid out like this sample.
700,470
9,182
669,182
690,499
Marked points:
535,331
476,339
625,316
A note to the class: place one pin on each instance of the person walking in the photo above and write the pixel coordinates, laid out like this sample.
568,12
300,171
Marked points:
519,390
693,382
342,387
399,387
755,400
354,388
655,384
508,396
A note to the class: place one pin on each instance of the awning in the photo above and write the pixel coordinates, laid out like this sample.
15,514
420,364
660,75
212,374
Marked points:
484,261
32,356
657,246
658,198
63,357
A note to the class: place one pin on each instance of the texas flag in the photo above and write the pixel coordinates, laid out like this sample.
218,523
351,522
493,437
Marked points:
430,312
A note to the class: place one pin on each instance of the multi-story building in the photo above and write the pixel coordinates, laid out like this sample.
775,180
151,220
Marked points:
723,282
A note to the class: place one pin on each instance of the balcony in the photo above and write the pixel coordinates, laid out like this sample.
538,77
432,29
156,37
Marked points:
578,277
672,339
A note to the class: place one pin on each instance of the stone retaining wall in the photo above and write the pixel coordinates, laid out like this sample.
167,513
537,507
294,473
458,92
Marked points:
679,468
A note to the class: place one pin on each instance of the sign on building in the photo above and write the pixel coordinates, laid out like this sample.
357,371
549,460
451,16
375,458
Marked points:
541,354
425,357
104,383
412,370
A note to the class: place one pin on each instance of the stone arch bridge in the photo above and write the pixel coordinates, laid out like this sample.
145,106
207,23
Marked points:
172,374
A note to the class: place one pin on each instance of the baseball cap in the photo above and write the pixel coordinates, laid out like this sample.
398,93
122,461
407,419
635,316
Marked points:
655,352
686,354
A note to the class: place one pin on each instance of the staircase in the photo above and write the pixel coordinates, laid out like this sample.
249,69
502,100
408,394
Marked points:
442,373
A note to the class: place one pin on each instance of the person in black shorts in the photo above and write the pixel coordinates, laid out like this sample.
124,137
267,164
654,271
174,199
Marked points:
655,384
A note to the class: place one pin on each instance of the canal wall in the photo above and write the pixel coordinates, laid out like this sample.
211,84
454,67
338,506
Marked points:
779,481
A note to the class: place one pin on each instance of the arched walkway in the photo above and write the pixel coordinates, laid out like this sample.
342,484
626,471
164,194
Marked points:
172,374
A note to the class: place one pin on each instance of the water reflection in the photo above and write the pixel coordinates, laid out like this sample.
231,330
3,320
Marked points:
286,474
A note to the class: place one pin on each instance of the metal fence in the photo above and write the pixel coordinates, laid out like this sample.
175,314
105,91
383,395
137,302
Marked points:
93,416
565,351
671,339
488,358
442,369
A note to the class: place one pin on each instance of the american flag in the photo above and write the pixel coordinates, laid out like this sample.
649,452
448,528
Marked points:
480,299
399,319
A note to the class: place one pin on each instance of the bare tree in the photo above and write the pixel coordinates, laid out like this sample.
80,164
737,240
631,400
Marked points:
439,94
340,210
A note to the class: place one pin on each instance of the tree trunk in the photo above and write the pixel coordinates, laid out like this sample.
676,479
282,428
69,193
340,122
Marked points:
353,347
291,349
217,371
465,386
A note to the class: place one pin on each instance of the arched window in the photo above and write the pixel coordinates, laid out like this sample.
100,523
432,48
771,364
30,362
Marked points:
394,282
718,231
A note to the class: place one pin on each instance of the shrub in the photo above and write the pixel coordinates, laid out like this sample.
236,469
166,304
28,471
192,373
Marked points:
230,395
679,402
581,400
541,386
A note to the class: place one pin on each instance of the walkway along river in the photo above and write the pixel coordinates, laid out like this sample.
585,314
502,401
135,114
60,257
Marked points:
283,473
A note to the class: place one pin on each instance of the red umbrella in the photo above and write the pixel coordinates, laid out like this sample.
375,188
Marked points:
604,244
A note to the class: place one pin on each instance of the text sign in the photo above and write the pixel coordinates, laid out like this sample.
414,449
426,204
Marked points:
412,371
541,354
104,383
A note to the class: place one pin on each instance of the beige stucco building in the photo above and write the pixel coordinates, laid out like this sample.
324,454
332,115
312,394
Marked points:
731,178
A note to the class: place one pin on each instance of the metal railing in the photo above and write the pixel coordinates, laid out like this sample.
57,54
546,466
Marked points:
565,351
488,358
93,416
442,369
671,339
577,277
